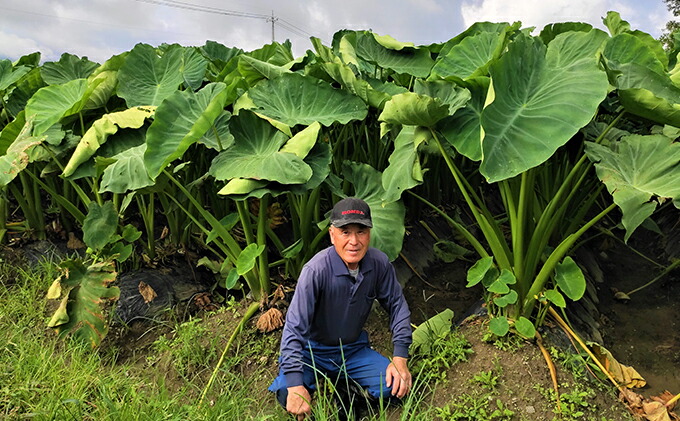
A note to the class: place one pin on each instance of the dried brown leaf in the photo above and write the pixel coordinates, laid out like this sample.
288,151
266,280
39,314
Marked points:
655,411
271,320
146,291
74,243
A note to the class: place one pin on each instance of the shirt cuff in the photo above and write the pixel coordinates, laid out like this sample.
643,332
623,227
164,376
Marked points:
400,351
294,378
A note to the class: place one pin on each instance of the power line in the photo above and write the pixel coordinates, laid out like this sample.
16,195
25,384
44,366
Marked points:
207,9
282,23
90,22
296,27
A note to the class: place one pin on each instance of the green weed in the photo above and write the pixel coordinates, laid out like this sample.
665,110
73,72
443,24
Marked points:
443,354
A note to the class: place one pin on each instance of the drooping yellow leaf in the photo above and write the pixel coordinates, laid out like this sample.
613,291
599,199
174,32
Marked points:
60,316
55,290
625,375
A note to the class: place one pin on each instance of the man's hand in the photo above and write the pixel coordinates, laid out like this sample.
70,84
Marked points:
298,402
398,377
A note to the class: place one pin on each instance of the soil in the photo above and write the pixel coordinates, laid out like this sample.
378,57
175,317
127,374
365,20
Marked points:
642,332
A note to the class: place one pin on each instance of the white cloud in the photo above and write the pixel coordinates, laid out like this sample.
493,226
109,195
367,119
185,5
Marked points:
532,13
14,46
430,6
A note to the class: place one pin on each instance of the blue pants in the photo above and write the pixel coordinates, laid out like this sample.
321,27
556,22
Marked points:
355,362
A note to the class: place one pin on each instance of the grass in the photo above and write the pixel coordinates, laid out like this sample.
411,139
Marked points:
45,378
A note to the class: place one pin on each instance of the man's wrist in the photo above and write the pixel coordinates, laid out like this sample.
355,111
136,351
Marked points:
293,379
400,351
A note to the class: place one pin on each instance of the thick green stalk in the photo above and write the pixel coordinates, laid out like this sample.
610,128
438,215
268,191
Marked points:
3,213
230,242
555,257
250,312
244,216
64,201
479,248
147,213
227,252
487,224
263,260
520,230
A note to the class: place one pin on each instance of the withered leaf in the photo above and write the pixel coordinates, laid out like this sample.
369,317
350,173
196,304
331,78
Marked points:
74,243
146,291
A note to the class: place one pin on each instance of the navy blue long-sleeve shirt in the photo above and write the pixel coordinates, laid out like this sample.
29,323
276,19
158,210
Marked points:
331,307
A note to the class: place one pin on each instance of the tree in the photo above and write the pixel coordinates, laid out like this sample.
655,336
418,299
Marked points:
672,26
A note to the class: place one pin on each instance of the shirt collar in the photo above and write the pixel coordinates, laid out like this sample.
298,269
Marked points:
340,268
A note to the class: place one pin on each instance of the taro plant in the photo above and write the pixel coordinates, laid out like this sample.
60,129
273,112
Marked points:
85,288
522,110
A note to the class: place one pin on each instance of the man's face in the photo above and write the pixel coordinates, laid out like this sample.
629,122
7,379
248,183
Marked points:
351,243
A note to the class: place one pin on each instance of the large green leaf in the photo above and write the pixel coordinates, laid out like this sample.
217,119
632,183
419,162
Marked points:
478,28
344,75
257,154
636,170
644,87
51,103
388,218
101,129
180,121
106,79
463,130
471,57
254,70
128,173
570,279
295,99
413,61
11,131
435,327
86,291
218,137
68,68
541,98
413,109
550,31
16,158
404,171
275,53
456,97
100,224
9,75
318,159
193,67
22,91
146,78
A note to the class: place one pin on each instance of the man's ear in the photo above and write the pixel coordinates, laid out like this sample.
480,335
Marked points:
330,234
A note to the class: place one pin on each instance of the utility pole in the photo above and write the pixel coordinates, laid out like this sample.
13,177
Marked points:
273,20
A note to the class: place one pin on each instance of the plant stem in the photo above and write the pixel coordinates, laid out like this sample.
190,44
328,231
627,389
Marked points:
494,237
573,334
249,313
554,258
460,228
262,224
670,267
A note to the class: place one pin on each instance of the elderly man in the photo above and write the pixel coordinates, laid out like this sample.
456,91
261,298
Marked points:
323,334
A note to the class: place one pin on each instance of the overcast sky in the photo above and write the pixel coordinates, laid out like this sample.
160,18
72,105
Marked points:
99,29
